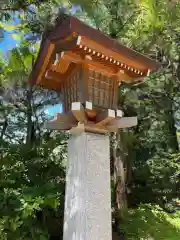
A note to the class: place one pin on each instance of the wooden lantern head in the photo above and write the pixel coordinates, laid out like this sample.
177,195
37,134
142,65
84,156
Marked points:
86,66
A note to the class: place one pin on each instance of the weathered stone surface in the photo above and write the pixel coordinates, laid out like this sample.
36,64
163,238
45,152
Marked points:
88,201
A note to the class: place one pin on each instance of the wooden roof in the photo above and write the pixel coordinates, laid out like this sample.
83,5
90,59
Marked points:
71,42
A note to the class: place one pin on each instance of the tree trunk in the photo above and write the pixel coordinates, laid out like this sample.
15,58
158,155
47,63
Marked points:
4,127
173,131
119,173
30,124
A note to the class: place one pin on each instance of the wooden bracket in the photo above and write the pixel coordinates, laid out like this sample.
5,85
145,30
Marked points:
79,112
64,121
78,120
90,127
105,117
57,124
125,122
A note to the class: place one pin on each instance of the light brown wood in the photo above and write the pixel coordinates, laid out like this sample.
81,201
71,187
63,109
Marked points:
105,117
53,75
93,128
61,67
125,122
94,64
83,83
108,52
77,120
90,111
69,57
73,36
123,77
58,124
57,78
79,112
78,129
45,63
90,127
45,83
66,117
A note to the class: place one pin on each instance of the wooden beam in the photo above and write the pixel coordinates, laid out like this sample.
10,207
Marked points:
69,43
125,122
112,54
123,77
90,127
93,128
105,117
89,110
45,63
62,121
57,124
78,129
53,75
79,112
94,64
66,117
58,77
98,67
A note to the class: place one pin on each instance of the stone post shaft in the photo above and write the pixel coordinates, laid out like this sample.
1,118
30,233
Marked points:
88,193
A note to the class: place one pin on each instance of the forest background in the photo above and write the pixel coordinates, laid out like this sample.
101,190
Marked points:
145,160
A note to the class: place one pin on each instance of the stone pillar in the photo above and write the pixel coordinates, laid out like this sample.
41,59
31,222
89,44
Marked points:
88,194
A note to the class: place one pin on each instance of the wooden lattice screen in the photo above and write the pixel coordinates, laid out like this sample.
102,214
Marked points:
99,88
70,89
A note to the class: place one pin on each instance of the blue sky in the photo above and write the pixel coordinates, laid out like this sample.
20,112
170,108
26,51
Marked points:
8,43
53,110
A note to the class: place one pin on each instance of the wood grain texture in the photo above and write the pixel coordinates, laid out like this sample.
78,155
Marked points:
79,112
105,117
42,70
124,122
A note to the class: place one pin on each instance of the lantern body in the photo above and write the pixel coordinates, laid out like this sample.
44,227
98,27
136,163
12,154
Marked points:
87,67
85,84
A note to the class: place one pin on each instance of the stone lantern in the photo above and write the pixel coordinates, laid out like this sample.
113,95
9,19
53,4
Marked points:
87,67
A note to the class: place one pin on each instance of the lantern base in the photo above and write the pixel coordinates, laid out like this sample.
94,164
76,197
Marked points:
83,118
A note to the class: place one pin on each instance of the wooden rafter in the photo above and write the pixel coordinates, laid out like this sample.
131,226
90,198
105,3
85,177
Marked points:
109,55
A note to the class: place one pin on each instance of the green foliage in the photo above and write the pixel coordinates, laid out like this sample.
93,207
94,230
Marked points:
9,6
157,180
32,189
150,222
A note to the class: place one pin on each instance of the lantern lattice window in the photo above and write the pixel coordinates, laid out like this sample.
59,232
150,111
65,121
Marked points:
70,89
101,90
89,85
